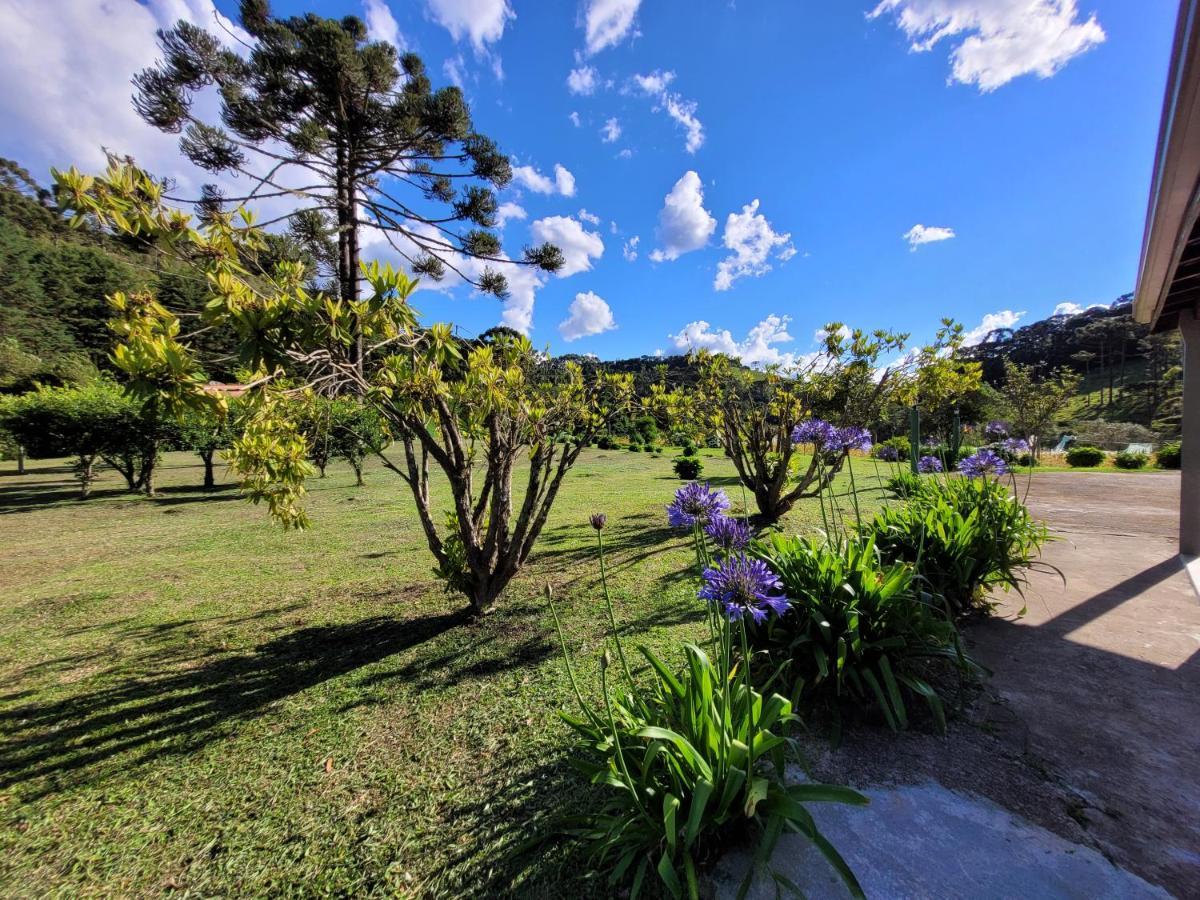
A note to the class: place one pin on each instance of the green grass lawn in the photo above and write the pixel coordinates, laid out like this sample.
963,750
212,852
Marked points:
197,701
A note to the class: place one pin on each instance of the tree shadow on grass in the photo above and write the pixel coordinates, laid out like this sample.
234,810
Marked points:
183,701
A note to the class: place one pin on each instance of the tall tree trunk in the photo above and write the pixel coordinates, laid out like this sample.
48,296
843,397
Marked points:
85,471
207,456
20,459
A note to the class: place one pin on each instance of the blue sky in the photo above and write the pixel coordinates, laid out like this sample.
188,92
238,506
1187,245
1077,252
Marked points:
1024,128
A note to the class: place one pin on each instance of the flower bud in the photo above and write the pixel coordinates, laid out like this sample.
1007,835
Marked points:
599,520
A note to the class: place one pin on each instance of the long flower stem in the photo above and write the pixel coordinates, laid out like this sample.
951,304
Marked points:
612,722
612,619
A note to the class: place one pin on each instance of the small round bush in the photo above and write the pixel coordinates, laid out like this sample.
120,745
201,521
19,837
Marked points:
893,449
635,448
1169,456
1085,457
1127,460
606,442
689,449
688,468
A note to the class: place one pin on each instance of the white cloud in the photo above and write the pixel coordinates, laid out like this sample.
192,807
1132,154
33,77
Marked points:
630,250
608,22
611,131
590,218
509,211
757,349
1006,318
1067,309
482,21
67,93
752,239
625,154
683,223
1002,39
578,246
381,24
654,83
588,314
583,80
681,110
574,117
921,234
562,183
455,70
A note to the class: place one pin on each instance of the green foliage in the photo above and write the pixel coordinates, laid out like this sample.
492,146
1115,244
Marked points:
635,448
687,468
1169,456
684,760
1085,457
963,536
1128,460
1034,400
87,423
606,442
861,631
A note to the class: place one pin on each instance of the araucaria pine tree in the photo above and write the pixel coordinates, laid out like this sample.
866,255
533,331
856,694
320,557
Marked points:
348,134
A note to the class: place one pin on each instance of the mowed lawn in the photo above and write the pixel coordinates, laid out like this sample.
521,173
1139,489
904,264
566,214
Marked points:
196,701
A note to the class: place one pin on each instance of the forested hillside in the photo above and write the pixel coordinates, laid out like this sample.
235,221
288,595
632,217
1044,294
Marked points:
1128,374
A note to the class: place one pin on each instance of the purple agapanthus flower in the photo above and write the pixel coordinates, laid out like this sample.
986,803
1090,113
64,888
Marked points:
1016,446
889,454
985,462
853,438
814,431
728,533
744,587
996,430
696,503
927,465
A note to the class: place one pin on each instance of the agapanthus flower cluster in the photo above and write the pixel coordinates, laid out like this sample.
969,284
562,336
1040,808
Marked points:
696,503
928,465
744,587
727,533
1016,446
831,438
985,462
889,453
996,430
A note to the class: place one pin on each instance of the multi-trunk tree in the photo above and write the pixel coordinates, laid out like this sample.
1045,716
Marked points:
481,414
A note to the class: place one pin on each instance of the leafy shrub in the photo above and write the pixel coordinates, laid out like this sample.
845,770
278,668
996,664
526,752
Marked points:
688,468
964,536
691,758
1128,460
688,449
859,629
1085,457
606,442
635,448
895,449
903,484
1169,456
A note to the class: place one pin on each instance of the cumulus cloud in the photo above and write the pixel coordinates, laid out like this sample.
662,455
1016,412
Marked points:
578,246
752,239
590,218
509,211
381,24
574,117
588,314
481,21
562,183
683,223
583,80
608,22
630,249
1001,39
611,131
921,234
682,111
68,71
757,349
1067,309
1005,318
